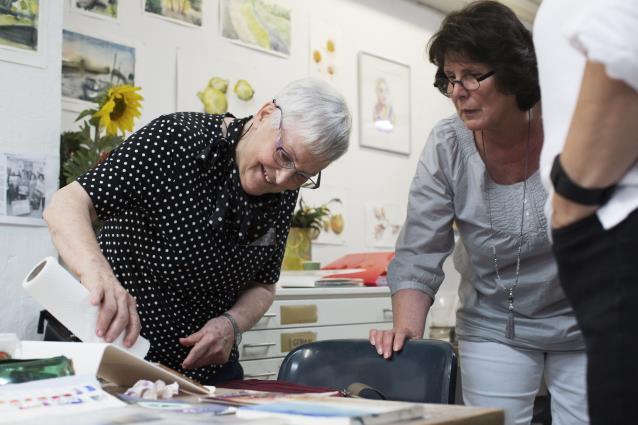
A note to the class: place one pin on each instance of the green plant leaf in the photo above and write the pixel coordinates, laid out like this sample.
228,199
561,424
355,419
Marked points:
310,217
79,163
85,113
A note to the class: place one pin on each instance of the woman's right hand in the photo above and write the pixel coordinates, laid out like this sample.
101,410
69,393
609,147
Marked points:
69,215
388,341
409,309
117,308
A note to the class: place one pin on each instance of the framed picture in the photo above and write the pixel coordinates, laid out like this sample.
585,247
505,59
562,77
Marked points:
91,65
180,12
384,104
259,24
30,180
23,29
102,9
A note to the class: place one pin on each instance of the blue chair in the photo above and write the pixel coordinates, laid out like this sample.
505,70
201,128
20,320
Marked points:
424,371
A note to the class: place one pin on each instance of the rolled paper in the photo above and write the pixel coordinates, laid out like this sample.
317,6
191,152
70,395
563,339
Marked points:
59,292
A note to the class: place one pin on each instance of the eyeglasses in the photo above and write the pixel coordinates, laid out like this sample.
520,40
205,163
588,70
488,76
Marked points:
284,159
468,82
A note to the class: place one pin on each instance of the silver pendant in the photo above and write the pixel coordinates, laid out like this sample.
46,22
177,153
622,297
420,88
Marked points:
509,328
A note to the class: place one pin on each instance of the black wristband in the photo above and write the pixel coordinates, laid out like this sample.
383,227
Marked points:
575,193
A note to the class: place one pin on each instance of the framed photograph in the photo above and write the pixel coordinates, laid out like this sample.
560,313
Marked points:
27,182
23,29
187,13
384,104
91,65
100,9
259,24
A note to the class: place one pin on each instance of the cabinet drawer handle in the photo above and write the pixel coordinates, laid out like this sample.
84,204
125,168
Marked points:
260,375
261,344
269,315
387,311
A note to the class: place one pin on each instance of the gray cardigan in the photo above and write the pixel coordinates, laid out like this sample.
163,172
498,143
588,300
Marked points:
450,184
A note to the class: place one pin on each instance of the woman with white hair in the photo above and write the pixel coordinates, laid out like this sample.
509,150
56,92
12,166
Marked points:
196,210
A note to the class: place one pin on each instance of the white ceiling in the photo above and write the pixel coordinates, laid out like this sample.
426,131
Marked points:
525,9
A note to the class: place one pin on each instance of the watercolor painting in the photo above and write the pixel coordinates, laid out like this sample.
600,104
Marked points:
384,104
383,223
91,65
19,24
188,12
259,24
326,47
335,226
96,8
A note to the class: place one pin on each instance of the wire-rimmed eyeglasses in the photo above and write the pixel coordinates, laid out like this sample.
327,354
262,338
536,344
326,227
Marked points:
285,160
468,82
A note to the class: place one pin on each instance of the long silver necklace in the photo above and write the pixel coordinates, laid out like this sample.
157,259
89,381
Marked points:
510,331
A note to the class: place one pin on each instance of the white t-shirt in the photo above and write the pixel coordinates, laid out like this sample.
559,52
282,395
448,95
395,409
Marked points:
567,33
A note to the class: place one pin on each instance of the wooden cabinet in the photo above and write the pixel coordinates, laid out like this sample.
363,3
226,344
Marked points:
303,315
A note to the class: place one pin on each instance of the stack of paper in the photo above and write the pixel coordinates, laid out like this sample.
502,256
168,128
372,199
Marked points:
304,409
310,278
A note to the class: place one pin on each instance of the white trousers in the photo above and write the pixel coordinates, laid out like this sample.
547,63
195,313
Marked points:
500,376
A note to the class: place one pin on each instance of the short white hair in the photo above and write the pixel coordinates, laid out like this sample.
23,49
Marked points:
319,114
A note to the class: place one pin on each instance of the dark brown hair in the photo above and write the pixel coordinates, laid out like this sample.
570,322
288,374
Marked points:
490,33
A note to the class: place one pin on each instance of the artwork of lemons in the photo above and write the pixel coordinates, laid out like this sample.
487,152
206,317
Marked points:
257,23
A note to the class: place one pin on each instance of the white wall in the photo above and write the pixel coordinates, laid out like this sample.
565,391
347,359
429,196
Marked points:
29,123
397,30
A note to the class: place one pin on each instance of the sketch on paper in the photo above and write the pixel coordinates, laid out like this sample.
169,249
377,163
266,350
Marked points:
97,8
384,104
260,24
383,224
23,187
182,11
325,51
91,65
19,24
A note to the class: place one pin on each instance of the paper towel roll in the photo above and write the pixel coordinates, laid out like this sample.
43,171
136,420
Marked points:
69,301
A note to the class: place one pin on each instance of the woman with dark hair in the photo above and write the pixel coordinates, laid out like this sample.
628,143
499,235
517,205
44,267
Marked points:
479,169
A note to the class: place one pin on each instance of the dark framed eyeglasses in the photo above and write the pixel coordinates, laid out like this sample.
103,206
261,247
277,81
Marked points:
468,82
285,160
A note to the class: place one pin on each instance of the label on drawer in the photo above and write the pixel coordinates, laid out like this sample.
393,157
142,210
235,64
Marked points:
291,314
292,340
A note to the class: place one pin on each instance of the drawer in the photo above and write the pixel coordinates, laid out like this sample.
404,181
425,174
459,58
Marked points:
270,343
261,369
326,312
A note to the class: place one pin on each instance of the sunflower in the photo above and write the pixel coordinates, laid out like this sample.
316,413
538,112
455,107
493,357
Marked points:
119,109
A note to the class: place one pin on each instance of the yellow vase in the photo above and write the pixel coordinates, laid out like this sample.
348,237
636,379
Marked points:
298,248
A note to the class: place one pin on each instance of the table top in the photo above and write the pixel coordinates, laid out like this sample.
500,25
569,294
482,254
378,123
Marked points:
438,414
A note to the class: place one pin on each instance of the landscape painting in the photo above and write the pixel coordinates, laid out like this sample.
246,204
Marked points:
97,8
187,12
91,65
259,24
19,24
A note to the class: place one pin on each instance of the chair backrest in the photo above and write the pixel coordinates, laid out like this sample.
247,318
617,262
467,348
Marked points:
423,371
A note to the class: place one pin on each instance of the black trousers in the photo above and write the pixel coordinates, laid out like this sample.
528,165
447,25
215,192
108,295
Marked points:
598,269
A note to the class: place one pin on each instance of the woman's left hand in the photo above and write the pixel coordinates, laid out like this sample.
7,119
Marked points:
212,344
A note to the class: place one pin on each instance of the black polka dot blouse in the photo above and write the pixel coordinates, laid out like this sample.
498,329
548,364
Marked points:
180,233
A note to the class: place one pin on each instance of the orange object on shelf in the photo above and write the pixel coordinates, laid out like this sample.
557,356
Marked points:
375,264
